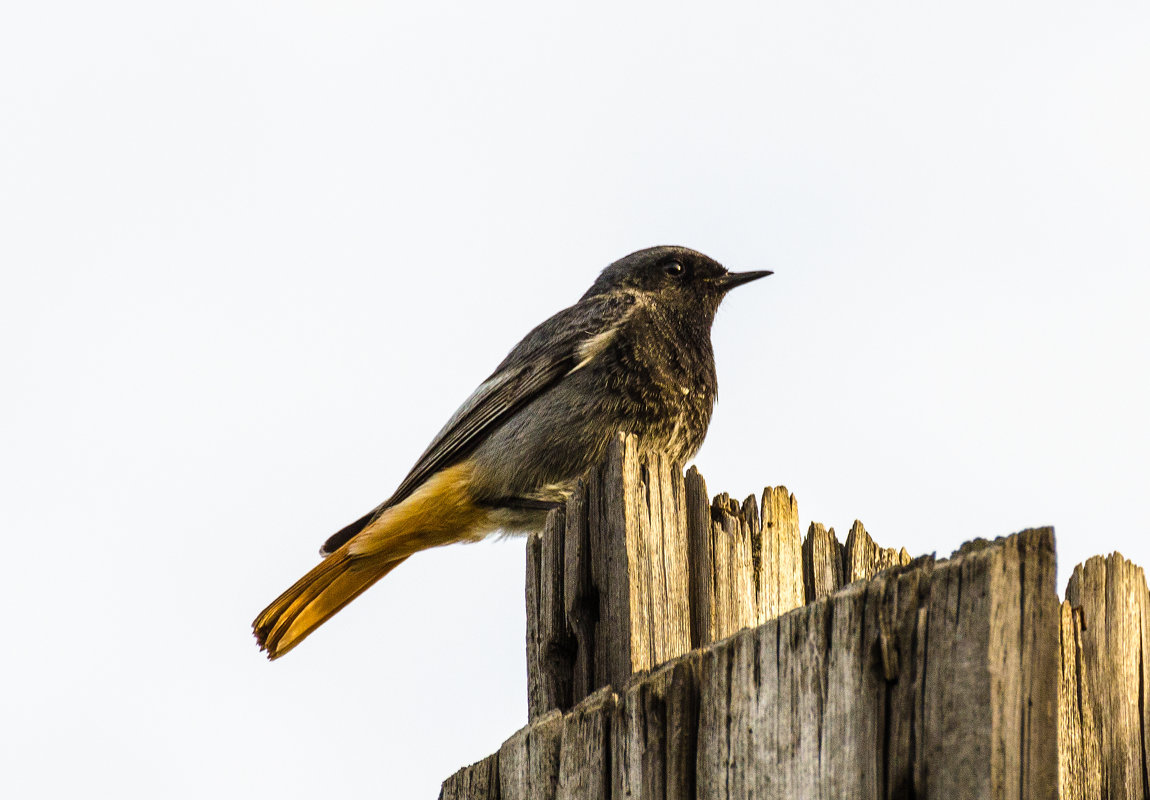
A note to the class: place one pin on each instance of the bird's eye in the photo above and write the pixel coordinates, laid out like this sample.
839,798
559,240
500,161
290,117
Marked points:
674,268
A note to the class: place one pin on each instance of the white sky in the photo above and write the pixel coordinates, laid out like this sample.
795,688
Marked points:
254,254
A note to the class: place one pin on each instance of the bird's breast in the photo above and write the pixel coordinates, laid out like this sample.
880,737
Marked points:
664,378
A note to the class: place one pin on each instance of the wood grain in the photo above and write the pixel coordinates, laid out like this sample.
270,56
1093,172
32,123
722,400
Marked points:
818,669
822,562
654,732
930,680
638,540
1079,761
585,749
480,781
529,760
781,573
863,559
1111,594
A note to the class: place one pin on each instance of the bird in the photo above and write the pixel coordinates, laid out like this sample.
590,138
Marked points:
633,355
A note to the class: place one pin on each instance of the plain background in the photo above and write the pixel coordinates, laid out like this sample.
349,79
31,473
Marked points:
255,253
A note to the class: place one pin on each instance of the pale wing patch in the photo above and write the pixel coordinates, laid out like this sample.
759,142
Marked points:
592,347
589,348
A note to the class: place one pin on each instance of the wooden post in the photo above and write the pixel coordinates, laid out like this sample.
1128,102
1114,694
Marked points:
551,640
1079,743
822,562
653,742
585,750
1108,642
723,537
641,566
781,575
862,558
638,547
529,760
607,580
927,679
992,632
933,680
480,781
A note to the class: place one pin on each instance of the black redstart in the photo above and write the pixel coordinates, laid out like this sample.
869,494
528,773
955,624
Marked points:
633,355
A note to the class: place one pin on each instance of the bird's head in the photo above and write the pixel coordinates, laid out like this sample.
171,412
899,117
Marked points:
674,278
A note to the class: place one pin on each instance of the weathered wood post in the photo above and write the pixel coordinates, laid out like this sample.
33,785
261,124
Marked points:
1105,627
607,581
684,648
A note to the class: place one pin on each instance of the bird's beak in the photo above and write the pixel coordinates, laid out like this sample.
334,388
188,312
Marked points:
733,279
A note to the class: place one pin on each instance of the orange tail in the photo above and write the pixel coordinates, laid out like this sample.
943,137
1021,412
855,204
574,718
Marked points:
331,585
439,512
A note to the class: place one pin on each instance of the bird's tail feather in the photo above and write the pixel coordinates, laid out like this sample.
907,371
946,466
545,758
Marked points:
439,512
314,598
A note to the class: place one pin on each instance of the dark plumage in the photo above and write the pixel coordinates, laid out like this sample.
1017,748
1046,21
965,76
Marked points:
633,355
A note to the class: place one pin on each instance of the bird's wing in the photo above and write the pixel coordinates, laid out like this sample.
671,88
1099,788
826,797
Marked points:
564,343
